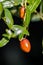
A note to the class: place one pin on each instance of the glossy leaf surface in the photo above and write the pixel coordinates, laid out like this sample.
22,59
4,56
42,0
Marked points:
8,18
3,42
19,29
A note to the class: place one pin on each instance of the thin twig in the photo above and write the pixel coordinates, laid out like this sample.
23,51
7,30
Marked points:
40,15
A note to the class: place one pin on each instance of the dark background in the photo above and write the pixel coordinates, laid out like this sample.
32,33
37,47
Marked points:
11,54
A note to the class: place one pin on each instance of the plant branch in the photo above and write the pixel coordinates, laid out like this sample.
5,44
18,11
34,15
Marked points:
40,15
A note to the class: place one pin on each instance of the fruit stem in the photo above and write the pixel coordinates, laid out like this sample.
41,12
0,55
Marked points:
22,2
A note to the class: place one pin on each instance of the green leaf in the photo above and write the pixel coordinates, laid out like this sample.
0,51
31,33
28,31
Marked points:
19,29
1,9
33,6
7,4
27,17
35,18
17,1
9,19
30,1
21,36
2,0
3,42
41,7
7,36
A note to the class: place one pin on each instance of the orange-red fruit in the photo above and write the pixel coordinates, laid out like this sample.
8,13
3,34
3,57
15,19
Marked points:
25,45
22,12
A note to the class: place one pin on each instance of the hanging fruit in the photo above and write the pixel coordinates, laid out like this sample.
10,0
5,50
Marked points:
25,45
22,12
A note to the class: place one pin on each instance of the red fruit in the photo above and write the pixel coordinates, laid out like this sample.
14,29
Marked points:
25,45
22,12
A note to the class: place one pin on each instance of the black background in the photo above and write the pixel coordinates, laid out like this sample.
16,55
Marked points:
11,54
